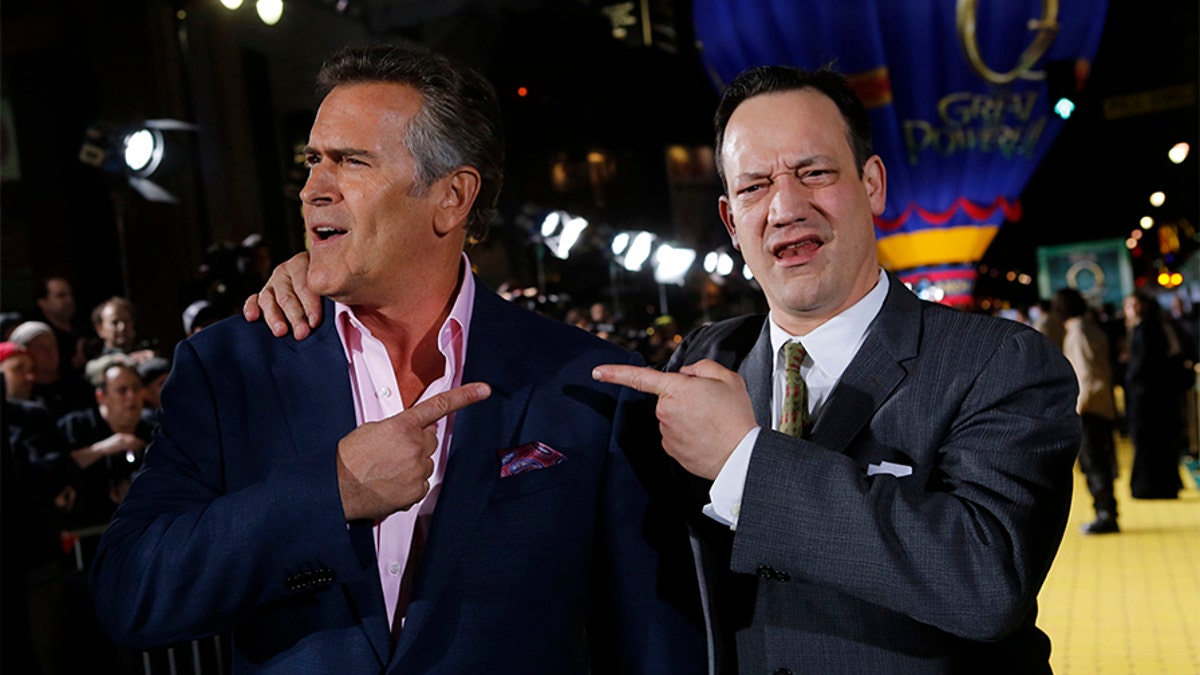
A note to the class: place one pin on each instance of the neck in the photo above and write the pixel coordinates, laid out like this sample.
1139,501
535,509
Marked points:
62,324
409,330
118,425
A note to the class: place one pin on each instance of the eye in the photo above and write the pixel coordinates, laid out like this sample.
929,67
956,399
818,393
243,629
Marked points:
311,160
354,161
818,177
750,189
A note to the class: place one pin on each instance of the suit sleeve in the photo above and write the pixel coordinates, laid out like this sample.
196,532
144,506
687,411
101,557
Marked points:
964,546
646,589
186,555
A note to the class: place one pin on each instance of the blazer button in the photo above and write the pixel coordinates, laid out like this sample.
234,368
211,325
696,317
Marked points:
768,572
783,671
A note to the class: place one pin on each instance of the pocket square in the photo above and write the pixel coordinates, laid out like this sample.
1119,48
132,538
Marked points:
528,457
890,469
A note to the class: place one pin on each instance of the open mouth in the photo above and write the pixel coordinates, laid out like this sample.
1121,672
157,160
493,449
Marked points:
799,249
327,232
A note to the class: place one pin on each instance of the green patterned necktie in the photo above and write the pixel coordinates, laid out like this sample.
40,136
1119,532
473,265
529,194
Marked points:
794,417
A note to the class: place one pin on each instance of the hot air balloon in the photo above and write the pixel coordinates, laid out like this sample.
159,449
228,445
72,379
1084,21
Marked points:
958,99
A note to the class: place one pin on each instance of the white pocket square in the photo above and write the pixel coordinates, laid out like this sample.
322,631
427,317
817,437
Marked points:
889,468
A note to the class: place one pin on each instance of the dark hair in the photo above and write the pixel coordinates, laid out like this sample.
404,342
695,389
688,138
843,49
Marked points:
1068,303
43,284
774,79
117,301
458,124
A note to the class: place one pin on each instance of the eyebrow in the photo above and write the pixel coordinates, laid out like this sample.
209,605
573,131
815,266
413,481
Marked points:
800,164
337,152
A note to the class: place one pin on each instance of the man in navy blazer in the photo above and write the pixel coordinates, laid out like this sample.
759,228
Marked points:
909,526
431,482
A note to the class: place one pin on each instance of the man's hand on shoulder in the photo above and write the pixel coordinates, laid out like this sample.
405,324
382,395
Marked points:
286,299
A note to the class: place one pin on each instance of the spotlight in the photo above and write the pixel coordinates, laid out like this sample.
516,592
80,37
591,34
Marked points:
270,11
143,151
560,231
671,264
632,249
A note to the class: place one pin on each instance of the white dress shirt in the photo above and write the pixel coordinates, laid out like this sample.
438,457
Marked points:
829,350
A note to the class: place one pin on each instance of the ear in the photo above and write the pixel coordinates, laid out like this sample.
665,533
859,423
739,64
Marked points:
727,218
457,194
875,180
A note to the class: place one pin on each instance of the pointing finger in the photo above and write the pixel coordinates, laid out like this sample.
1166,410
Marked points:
427,412
645,380
709,369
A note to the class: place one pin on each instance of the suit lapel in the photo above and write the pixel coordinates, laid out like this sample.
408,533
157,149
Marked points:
319,417
494,349
757,369
875,372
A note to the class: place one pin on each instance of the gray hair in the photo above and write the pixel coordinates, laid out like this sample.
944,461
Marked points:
458,124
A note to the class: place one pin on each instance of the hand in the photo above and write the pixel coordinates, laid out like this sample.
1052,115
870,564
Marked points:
113,445
703,410
286,299
384,466
119,443
65,500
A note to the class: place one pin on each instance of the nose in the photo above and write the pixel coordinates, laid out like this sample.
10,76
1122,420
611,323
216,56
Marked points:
321,185
791,201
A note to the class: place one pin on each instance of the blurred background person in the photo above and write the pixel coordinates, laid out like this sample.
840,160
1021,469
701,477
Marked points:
1151,401
60,395
199,314
107,441
154,374
56,304
36,485
115,322
1086,346
17,367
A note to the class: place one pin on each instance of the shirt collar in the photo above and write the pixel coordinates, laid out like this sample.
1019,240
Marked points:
455,325
832,345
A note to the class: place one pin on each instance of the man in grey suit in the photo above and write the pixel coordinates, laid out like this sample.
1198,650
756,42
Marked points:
908,528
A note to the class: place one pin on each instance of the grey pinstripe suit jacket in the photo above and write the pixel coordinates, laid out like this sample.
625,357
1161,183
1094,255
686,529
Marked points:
935,572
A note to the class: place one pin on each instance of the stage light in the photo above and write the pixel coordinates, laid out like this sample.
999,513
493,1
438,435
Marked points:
143,151
1158,198
270,11
231,4
746,273
631,250
560,231
1146,222
671,264
719,263
1178,152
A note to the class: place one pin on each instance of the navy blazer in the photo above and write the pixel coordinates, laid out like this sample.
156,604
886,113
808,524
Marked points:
235,523
937,571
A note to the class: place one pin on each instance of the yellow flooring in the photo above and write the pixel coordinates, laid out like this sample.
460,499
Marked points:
1127,603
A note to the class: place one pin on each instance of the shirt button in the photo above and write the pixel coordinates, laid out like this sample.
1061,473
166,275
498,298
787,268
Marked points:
735,511
394,568
384,392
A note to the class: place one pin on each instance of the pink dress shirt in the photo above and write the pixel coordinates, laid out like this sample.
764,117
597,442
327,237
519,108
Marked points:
399,538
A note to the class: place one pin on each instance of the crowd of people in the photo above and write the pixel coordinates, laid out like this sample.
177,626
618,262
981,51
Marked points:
1146,350
80,397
